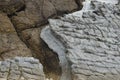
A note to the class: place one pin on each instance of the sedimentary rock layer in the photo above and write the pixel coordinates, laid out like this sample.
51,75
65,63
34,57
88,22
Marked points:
91,40
21,68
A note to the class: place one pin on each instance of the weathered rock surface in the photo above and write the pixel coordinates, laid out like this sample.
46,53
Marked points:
21,68
48,58
11,6
10,44
27,16
37,12
90,39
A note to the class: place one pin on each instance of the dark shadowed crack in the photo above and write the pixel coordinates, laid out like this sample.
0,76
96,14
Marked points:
79,3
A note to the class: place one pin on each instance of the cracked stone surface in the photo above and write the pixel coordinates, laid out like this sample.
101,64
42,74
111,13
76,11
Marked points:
90,40
25,18
10,43
21,68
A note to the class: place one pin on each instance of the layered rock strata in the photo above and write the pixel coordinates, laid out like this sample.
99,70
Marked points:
21,68
90,40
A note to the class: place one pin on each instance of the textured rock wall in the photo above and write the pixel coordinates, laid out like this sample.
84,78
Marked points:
11,6
10,44
21,68
91,40
26,18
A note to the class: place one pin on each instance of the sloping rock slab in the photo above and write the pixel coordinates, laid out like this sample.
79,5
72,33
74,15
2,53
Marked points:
91,40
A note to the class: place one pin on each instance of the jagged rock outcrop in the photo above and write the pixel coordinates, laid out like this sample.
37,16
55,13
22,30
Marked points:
90,40
21,68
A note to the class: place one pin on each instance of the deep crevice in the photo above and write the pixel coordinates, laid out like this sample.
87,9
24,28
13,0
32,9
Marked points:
22,8
11,15
48,58
79,4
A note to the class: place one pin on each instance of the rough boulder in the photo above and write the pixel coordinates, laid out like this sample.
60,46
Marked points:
90,39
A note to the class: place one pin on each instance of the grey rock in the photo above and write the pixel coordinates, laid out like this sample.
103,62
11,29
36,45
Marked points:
90,39
15,71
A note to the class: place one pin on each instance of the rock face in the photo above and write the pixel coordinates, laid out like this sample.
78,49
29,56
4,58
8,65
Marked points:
37,12
10,44
21,68
11,6
48,58
24,17
90,40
